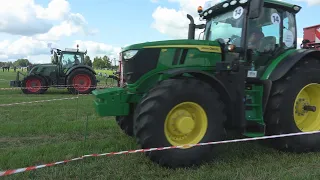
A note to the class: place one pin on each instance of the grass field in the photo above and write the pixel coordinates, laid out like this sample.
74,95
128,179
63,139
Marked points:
33,134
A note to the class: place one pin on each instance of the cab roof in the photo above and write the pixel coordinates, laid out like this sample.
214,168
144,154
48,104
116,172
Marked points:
229,4
282,3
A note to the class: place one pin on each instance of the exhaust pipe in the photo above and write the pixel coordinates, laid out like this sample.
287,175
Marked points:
192,27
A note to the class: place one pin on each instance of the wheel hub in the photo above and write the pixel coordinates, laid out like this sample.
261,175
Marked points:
82,82
186,123
306,113
303,107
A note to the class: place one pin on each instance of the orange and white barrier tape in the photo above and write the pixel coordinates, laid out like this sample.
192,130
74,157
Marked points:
20,170
56,86
39,101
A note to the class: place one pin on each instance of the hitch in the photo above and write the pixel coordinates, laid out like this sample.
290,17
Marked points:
17,82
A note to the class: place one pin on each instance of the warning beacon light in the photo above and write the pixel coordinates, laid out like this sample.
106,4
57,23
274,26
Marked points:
200,9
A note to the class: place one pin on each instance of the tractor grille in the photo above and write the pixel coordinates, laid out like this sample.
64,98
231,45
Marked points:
144,61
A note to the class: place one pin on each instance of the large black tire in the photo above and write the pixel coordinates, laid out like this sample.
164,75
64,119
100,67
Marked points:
126,124
34,84
279,117
81,75
151,113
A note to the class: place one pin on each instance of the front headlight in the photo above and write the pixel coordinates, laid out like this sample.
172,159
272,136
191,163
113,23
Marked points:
129,54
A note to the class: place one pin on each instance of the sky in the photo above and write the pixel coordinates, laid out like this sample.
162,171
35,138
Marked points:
101,27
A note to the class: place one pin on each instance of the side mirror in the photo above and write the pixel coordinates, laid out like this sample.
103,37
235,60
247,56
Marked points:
255,8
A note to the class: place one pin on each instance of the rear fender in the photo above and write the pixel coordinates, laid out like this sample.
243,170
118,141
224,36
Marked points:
288,62
80,66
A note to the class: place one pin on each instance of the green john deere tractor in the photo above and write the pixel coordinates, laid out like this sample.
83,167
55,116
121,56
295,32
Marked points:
246,76
66,71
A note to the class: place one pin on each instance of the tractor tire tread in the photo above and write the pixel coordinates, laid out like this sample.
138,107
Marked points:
83,71
275,123
43,83
126,124
145,120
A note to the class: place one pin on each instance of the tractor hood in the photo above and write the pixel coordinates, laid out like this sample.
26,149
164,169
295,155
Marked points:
42,67
214,46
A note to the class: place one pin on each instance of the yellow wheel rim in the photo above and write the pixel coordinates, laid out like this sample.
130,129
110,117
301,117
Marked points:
307,108
186,124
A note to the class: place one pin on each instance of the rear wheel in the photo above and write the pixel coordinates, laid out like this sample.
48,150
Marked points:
81,81
294,106
34,84
178,112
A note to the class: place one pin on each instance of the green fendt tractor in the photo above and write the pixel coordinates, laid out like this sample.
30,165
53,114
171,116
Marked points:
246,76
67,70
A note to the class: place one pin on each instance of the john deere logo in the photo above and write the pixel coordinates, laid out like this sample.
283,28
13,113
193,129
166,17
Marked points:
210,48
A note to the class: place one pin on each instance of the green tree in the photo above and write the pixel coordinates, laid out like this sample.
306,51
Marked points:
9,64
98,63
107,62
87,61
22,62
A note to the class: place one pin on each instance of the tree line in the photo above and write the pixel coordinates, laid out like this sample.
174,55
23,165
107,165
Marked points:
98,62
17,63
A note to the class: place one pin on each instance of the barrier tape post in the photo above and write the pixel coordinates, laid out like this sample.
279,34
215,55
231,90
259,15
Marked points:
20,170
84,143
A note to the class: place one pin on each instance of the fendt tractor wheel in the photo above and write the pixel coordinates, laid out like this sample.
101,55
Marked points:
34,84
126,124
178,112
81,81
294,106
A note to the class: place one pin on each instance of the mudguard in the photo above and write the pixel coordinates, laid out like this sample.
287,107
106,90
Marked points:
80,66
211,79
288,62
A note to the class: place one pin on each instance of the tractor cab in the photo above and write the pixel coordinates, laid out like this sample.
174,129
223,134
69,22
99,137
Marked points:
67,59
254,31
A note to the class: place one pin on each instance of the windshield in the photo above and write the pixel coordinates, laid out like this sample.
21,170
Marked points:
225,26
70,59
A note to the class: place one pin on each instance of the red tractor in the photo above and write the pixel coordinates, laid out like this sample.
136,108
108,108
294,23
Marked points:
311,37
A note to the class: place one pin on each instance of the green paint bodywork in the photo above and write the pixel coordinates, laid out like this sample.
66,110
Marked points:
170,42
114,104
275,62
43,69
117,101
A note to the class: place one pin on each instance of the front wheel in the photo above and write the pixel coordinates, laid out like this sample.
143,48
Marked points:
179,112
81,81
126,124
34,84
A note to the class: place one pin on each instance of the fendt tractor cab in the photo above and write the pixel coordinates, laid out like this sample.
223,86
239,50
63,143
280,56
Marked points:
246,76
67,70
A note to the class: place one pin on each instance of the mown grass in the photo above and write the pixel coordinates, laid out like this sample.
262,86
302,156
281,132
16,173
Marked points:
34,134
